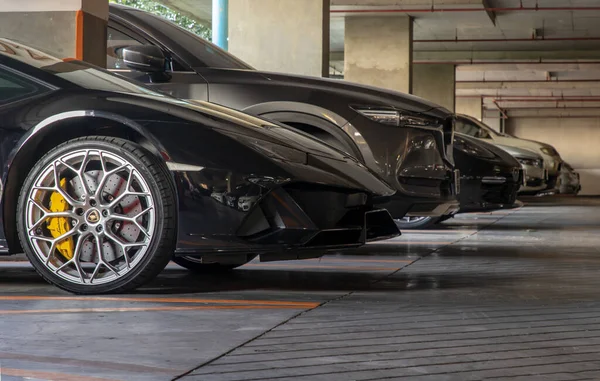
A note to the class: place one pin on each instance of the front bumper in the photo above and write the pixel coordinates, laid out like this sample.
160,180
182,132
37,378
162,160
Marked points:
296,218
535,179
490,193
401,205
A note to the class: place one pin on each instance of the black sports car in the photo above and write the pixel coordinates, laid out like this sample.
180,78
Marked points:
104,180
490,179
405,139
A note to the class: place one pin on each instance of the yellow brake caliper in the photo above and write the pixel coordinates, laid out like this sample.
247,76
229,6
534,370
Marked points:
60,225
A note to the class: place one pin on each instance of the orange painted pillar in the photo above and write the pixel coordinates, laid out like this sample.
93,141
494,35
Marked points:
66,28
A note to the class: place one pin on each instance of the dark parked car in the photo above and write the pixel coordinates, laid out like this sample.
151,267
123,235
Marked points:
405,139
490,179
104,180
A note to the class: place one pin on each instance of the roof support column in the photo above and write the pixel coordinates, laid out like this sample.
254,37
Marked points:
288,36
378,51
470,106
436,83
69,28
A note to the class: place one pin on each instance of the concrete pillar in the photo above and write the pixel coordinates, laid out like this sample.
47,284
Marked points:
69,28
289,36
470,106
436,83
378,51
493,119
220,22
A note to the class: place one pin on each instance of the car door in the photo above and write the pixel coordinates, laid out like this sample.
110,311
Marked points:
184,82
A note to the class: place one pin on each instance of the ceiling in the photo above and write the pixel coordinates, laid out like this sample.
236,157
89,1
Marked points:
527,51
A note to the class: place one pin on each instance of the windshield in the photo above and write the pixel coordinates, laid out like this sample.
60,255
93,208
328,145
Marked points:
484,126
207,53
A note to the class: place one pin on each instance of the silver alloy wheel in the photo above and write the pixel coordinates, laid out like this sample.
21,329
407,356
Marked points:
90,216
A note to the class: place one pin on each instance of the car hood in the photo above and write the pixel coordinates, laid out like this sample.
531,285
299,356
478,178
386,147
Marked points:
528,145
366,94
519,152
252,126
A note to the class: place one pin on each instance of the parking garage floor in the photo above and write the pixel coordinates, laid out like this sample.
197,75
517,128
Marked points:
508,295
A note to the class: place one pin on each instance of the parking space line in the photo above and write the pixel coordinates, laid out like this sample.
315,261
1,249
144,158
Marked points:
281,303
87,363
43,375
150,309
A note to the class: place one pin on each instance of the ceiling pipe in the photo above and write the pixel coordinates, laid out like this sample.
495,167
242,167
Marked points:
513,39
484,9
477,62
504,116
545,97
555,116
527,100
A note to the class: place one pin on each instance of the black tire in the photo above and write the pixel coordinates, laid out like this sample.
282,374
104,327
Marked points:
420,223
198,267
159,245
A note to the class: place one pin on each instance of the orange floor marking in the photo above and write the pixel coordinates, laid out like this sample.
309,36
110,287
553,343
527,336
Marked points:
148,309
42,375
158,300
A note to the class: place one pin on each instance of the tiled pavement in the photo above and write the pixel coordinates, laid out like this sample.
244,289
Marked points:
503,296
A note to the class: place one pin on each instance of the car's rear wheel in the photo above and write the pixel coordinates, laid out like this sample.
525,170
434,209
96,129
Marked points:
97,215
414,222
196,265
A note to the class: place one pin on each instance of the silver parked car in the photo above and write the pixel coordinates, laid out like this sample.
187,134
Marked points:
535,176
568,180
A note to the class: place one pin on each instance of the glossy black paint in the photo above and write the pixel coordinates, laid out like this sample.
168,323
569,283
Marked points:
481,189
322,107
213,153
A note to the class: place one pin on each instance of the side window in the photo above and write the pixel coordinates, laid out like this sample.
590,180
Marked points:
483,134
117,40
465,128
14,87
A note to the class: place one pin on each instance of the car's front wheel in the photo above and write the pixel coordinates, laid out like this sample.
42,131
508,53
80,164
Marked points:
407,223
97,215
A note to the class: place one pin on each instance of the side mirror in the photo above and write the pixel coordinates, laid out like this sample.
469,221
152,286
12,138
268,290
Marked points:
145,58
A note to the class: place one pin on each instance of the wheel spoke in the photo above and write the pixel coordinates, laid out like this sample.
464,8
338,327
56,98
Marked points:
62,192
101,259
105,177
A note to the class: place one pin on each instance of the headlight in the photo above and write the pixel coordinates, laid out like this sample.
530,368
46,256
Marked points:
531,162
549,151
472,149
396,118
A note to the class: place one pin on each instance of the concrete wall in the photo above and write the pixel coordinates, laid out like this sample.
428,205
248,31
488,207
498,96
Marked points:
435,83
378,51
576,139
288,36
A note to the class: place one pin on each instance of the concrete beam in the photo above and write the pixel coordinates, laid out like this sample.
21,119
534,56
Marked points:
491,14
199,10
469,57
547,113
555,85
